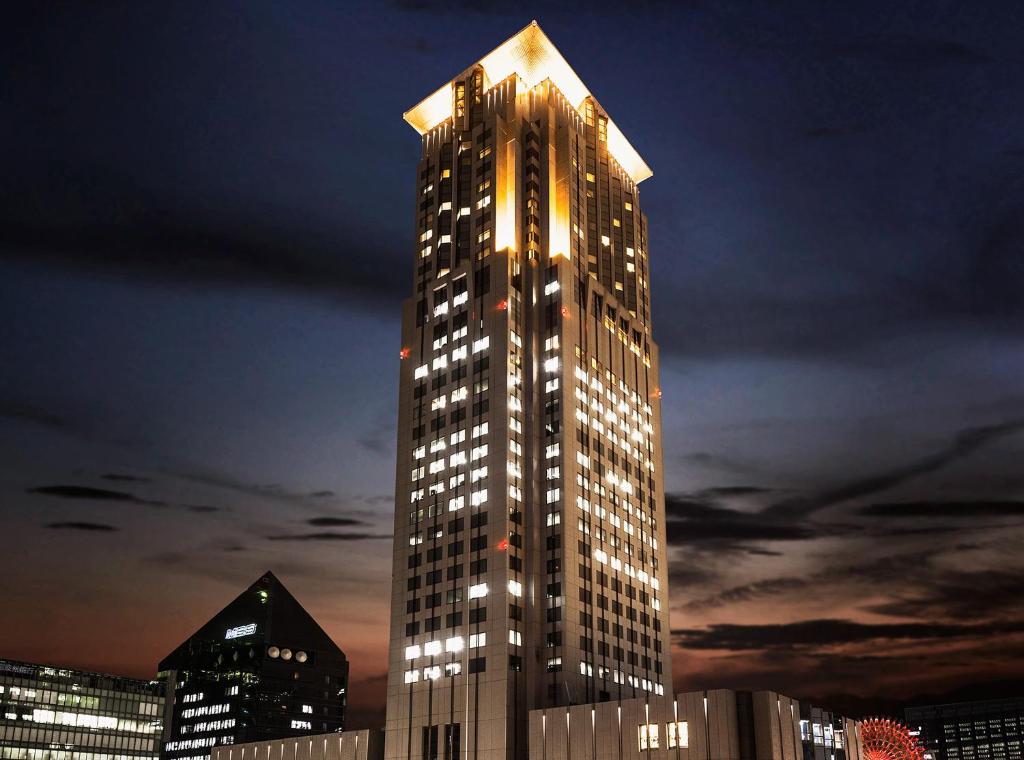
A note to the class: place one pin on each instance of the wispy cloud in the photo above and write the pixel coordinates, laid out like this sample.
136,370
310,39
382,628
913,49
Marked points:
87,527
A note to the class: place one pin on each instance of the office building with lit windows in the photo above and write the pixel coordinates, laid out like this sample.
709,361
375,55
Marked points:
529,566
991,729
261,669
53,713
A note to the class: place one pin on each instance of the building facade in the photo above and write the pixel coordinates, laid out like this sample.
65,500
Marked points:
261,669
982,730
701,725
825,735
717,724
51,713
366,744
529,564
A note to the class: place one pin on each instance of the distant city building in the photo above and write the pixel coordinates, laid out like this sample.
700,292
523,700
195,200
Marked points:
825,735
261,669
984,730
52,713
701,725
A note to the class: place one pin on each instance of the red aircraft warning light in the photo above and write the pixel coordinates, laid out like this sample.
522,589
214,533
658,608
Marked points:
565,312
503,544
502,305
404,353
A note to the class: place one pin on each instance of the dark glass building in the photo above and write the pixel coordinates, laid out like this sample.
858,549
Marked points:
984,730
50,713
261,669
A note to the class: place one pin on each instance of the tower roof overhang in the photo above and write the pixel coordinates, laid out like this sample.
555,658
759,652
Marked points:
532,57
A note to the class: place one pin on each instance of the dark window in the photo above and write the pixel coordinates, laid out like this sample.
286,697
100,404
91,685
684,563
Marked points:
477,664
478,615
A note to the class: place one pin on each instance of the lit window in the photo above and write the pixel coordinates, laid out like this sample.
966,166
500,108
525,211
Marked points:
478,497
554,518
457,437
438,403
605,240
551,365
478,474
679,735
479,452
436,467
479,430
478,590
426,236
484,202
432,648
420,452
412,652
551,451
515,588
453,644
459,354
454,505
550,288
457,458
416,495
551,385
433,672
648,736
420,372
307,708
477,640
554,495
453,669
480,345
301,724
460,394
440,362
441,308
515,638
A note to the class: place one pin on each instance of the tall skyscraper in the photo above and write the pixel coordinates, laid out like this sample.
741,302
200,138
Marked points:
260,669
529,566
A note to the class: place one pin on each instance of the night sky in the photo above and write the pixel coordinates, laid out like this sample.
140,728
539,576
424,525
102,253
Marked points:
206,217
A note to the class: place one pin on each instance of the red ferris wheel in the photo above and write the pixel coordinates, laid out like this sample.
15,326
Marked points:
886,739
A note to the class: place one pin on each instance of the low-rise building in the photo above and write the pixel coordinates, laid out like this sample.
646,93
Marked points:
54,713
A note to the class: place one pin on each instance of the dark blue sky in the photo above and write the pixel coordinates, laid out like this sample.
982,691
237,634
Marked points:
205,232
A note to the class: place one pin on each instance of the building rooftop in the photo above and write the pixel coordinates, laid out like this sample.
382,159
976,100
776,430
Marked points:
532,56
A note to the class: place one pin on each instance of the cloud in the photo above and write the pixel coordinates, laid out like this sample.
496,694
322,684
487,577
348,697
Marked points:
322,495
967,510
905,49
703,524
92,494
122,478
330,536
964,444
94,220
334,522
958,595
89,527
21,411
830,632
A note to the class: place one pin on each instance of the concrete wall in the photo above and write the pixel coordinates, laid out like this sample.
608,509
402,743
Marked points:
720,724
367,744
